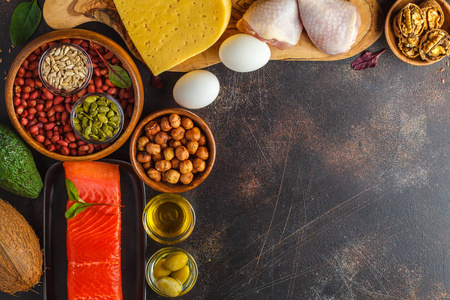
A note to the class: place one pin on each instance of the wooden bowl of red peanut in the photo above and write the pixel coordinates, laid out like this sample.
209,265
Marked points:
42,117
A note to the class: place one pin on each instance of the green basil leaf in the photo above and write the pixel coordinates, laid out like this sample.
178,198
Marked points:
72,191
77,208
24,21
119,77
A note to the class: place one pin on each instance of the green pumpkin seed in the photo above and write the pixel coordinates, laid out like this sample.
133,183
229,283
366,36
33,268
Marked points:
102,102
109,133
102,118
87,131
94,130
93,113
93,106
111,114
76,120
115,130
97,123
101,133
103,109
112,124
114,107
91,99
85,122
94,137
77,127
79,109
115,119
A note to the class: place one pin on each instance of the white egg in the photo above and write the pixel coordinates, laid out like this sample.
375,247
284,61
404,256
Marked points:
244,53
196,89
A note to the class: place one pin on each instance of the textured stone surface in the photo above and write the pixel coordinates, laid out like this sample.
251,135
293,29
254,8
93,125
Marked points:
329,183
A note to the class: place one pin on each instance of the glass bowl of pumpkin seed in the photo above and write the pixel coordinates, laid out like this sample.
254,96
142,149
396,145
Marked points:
97,118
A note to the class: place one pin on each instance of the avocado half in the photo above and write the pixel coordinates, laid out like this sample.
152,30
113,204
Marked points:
18,172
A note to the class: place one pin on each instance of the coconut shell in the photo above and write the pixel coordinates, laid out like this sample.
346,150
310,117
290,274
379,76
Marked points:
20,252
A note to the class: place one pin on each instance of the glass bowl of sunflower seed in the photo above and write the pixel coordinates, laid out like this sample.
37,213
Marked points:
97,118
65,69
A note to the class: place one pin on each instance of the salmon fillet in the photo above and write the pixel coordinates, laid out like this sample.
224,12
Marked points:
93,236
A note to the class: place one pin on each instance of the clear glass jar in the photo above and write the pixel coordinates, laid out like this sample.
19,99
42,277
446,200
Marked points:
163,254
55,90
168,218
80,101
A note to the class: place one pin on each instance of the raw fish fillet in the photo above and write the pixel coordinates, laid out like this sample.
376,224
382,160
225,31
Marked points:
93,236
332,25
276,22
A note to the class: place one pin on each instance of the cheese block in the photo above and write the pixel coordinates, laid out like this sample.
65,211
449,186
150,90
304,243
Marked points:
167,32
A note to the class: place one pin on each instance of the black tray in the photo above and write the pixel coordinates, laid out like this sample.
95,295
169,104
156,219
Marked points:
133,235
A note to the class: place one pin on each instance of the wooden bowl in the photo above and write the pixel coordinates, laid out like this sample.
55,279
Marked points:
121,54
392,40
164,186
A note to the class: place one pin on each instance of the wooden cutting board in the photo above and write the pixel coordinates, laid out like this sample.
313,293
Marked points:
61,14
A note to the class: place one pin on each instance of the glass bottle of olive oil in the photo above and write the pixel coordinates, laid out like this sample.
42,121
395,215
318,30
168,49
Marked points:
169,218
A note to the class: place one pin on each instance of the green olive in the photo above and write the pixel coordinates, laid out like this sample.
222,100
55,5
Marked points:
176,261
169,286
181,275
159,270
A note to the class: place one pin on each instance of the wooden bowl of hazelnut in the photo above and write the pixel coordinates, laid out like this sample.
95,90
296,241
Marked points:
172,150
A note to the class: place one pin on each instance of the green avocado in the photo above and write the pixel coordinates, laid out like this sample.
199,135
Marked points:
18,173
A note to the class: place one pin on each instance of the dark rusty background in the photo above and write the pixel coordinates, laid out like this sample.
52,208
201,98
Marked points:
329,183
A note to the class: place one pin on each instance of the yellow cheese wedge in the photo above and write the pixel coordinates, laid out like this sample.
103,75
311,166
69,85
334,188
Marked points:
167,32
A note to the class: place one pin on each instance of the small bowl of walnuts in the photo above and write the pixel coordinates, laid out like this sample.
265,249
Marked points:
172,150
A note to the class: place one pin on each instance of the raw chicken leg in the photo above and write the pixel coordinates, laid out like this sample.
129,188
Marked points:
276,22
332,25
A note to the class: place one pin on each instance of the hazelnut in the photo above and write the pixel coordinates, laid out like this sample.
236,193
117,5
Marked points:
152,128
165,124
194,134
202,153
157,157
186,178
153,148
186,166
174,143
143,157
175,163
154,175
187,123
169,154
172,176
199,164
202,140
181,153
163,165
184,140
161,137
150,137
147,165
177,133
142,142
175,120
192,147
164,145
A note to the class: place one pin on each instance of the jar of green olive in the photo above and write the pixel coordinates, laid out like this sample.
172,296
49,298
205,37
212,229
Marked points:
97,118
171,272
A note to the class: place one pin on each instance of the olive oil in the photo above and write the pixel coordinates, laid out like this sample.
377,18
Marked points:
169,218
